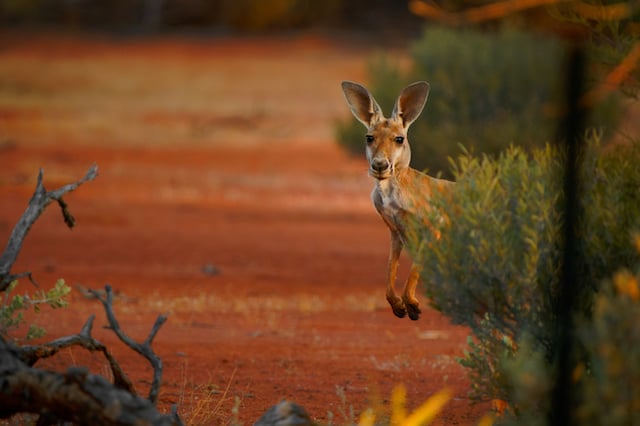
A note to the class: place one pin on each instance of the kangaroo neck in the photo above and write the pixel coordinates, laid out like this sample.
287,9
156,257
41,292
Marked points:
400,174
394,184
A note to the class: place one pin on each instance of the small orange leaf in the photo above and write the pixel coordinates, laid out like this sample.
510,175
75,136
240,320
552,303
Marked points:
499,406
577,372
398,401
486,420
425,414
627,284
367,418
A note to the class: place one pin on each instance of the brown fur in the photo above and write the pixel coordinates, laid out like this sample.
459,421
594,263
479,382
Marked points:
401,193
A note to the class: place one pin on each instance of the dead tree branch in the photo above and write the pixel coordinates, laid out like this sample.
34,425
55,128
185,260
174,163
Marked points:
76,395
39,201
30,354
143,348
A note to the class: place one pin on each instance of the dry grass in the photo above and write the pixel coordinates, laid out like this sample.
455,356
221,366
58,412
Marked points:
305,303
205,404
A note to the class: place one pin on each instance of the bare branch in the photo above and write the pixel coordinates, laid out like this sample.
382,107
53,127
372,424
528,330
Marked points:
143,348
40,199
31,354
75,395
70,396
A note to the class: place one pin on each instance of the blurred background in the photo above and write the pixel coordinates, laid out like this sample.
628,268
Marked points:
213,15
495,67
233,191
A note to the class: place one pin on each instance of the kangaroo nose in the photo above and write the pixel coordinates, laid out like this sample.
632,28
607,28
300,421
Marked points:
380,165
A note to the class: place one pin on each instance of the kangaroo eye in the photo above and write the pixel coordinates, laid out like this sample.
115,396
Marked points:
369,138
399,140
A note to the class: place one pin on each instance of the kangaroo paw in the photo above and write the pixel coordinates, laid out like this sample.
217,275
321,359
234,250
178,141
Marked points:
414,310
400,312
398,307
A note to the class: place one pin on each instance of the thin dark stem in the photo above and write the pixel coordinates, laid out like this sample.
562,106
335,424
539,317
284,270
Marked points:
563,397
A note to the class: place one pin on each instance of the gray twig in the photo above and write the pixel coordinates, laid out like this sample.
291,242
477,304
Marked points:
143,348
40,199
30,354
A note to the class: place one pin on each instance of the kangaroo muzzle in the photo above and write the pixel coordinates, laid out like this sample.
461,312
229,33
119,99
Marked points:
380,168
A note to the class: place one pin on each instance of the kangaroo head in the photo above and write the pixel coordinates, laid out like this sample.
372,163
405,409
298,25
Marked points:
387,145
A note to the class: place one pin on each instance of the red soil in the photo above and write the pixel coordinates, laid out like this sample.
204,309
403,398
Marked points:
250,228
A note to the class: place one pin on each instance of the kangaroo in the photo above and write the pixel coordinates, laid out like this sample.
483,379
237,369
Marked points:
401,194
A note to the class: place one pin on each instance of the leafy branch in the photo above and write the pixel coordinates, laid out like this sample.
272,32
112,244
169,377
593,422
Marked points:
13,308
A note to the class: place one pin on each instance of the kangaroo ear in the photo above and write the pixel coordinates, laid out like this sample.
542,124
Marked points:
411,102
362,104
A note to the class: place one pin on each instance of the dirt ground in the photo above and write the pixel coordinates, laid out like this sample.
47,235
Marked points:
223,201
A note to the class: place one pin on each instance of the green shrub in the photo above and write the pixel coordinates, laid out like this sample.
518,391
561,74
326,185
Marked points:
607,377
611,199
13,307
497,264
488,91
611,377
496,267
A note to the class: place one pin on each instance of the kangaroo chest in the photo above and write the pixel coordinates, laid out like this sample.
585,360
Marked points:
392,204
